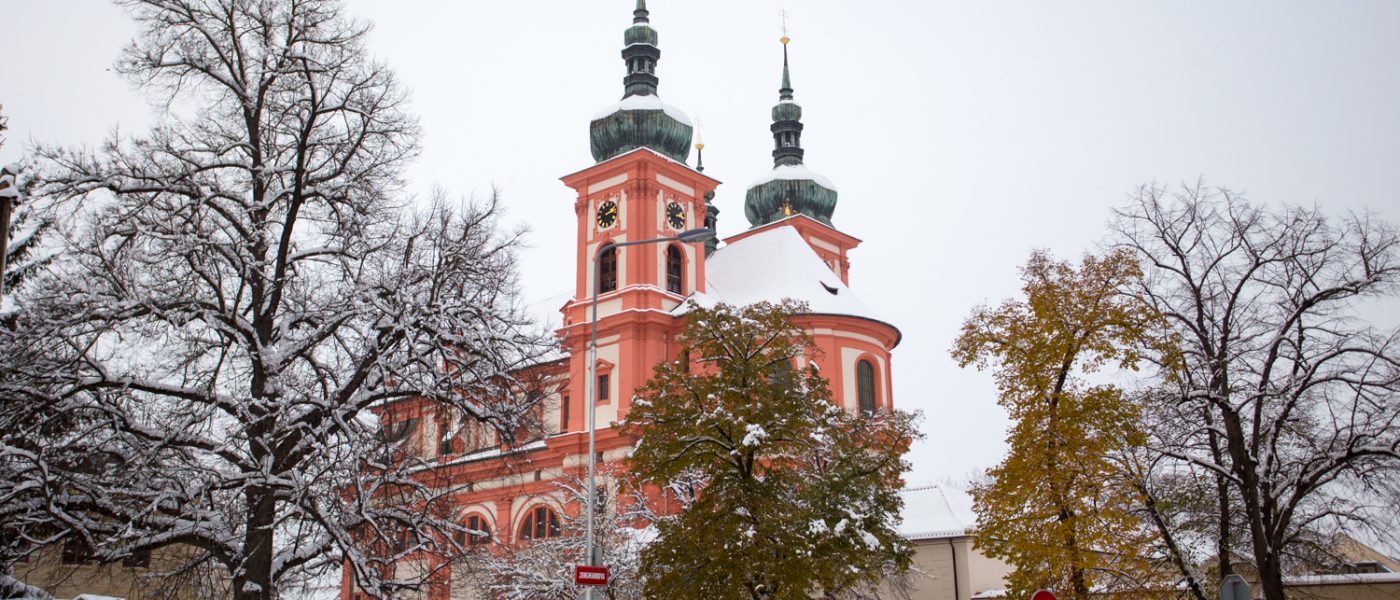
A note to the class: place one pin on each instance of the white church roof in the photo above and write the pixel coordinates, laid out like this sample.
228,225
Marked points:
773,265
928,514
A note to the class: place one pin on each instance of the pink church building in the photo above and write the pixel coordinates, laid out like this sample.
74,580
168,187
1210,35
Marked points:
641,187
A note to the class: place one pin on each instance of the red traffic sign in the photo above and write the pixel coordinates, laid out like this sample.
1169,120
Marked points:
1043,595
586,575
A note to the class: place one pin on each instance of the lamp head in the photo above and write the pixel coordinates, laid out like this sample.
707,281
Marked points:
702,234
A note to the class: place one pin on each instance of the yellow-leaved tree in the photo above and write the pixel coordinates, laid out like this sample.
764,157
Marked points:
1055,508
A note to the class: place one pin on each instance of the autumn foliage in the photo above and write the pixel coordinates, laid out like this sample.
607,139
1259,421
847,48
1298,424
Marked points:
1055,508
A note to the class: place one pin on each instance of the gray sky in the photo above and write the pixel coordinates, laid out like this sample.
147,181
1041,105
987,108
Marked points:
960,135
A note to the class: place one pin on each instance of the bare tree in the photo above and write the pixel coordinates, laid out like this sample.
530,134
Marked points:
1284,403
25,226
202,366
542,569
22,230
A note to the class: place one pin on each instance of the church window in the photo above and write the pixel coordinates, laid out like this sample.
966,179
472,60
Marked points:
445,436
564,414
603,385
76,550
540,524
782,372
398,432
478,532
402,540
607,270
138,558
673,269
532,427
865,386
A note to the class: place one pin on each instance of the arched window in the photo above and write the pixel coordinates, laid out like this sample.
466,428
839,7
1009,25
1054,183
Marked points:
782,372
673,269
479,532
540,524
865,386
607,270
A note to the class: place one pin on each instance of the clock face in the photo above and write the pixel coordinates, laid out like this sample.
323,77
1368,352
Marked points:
607,214
675,216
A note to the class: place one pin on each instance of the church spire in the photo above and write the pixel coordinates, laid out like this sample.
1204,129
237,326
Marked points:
785,92
640,120
641,54
789,188
787,119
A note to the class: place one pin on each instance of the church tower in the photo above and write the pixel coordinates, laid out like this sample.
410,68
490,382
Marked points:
791,193
789,209
640,189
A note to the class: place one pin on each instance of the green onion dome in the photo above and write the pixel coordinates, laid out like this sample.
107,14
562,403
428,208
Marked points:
640,119
790,188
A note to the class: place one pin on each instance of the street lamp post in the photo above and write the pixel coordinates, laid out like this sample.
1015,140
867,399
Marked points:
685,237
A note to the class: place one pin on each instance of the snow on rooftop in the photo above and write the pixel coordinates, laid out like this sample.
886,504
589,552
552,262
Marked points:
773,265
791,172
928,514
1342,578
647,102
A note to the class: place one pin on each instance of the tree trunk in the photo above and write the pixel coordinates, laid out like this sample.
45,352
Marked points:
1271,577
1265,556
1222,499
253,581
1081,587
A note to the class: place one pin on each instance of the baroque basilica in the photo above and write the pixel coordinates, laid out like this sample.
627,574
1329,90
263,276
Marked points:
642,187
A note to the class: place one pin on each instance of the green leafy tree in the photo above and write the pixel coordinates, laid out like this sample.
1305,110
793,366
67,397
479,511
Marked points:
801,498
1056,508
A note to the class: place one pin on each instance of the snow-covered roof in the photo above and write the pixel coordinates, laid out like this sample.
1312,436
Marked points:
773,265
793,172
653,153
485,453
928,515
643,102
1342,578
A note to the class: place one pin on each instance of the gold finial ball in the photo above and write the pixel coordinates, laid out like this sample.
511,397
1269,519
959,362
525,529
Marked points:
700,145
785,40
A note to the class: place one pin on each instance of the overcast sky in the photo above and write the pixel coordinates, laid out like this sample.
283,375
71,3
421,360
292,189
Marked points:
961,135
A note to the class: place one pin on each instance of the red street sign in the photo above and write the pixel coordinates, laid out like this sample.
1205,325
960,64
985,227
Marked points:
1043,595
586,575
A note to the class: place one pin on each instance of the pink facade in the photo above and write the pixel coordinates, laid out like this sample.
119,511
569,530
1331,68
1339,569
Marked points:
643,293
